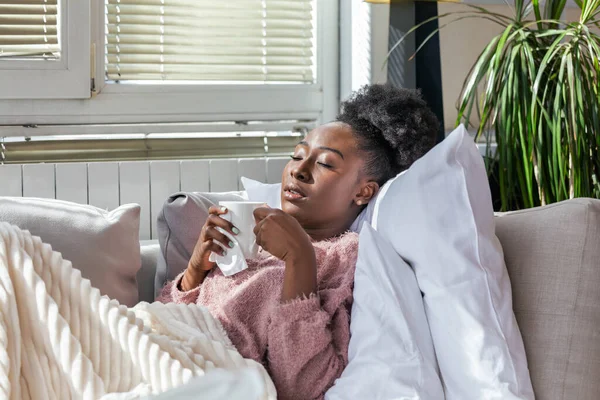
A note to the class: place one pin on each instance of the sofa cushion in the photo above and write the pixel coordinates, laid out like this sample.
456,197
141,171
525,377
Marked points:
103,245
553,258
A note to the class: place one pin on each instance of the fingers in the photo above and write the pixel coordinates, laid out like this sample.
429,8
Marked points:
212,233
257,230
214,219
263,212
217,210
214,247
262,215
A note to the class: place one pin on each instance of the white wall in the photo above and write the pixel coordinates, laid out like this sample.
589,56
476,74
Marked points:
460,44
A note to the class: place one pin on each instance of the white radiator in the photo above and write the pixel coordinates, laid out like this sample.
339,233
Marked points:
148,183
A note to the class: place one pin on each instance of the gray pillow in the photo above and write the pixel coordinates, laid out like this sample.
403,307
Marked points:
103,245
179,224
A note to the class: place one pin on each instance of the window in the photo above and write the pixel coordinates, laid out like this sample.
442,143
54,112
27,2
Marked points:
30,30
198,41
199,62
40,57
236,60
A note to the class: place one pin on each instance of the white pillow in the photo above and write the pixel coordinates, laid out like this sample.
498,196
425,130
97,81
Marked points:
391,354
439,218
269,193
103,245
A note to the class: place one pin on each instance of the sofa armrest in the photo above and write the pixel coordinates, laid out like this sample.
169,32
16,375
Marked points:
150,253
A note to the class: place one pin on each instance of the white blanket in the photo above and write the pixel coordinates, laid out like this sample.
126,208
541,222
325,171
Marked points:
60,339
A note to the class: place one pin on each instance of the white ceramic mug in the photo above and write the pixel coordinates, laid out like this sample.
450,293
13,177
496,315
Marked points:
241,215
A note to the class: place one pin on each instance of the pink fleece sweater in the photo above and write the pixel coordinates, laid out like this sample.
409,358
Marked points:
302,343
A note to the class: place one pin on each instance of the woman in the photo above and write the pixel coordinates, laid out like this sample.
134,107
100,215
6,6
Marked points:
290,309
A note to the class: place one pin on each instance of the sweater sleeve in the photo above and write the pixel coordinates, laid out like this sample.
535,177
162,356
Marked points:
171,293
307,347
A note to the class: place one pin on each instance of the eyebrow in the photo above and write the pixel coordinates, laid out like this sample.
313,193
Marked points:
303,143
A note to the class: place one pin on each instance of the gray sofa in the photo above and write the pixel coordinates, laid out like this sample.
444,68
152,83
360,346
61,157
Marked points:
553,258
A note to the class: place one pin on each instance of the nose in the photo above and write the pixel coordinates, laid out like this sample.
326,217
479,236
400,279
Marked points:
301,172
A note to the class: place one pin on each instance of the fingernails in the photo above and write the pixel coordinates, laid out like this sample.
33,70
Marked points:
231,244
223,209
224,252
235,231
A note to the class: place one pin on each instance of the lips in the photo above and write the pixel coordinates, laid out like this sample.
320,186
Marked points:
292,192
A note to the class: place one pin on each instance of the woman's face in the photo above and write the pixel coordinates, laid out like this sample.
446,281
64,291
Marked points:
323,186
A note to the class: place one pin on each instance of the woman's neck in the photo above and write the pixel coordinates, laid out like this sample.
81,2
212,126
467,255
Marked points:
318,234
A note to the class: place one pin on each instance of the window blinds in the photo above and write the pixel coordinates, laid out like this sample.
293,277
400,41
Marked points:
210,40
29,28
177,148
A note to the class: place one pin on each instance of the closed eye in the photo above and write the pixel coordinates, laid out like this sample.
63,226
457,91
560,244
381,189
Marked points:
320,163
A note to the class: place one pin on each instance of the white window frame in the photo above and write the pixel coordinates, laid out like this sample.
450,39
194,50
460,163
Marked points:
170,103
66,78
364,33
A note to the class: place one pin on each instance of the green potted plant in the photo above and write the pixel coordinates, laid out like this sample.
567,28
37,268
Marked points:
535,89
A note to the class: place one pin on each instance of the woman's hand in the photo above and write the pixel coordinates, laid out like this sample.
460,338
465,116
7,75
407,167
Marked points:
206,242
282,235
199,264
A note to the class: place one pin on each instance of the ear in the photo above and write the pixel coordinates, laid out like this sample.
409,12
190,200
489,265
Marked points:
366,192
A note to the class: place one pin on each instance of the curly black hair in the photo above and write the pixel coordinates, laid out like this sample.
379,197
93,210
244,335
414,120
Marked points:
394,127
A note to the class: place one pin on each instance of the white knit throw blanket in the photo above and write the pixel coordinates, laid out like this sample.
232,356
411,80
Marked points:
60,339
